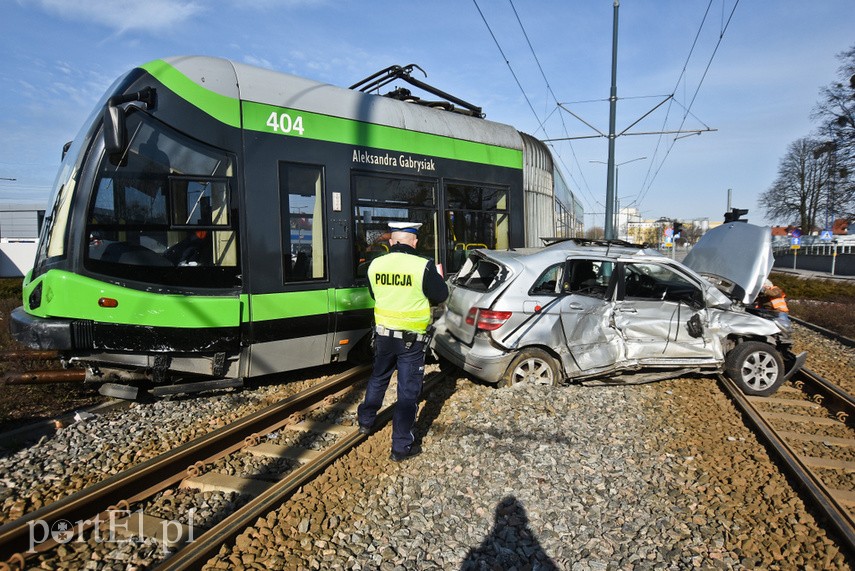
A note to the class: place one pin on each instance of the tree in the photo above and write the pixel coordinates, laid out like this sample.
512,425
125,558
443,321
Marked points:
595,233
644,234
692,233
836,111
797,194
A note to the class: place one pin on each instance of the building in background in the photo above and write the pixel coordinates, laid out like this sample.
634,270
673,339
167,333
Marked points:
19,233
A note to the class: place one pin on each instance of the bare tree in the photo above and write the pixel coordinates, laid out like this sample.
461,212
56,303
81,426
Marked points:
797,194
595,233
692,233
836,111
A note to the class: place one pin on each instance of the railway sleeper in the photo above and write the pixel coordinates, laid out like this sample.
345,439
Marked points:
217,482
168,533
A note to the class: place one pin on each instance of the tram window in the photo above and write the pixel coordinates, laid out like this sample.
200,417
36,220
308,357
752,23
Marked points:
476,217
379,200
301,191
199,202
163,215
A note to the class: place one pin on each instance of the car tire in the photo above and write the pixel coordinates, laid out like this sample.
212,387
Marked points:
756,367
534,366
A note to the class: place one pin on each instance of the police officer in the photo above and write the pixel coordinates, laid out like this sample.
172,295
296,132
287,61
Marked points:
404,286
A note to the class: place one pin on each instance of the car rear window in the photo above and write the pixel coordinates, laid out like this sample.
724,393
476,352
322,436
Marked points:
479,274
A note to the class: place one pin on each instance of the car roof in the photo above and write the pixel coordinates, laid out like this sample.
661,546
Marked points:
536,259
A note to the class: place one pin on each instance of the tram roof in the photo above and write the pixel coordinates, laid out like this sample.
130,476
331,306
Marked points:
249,83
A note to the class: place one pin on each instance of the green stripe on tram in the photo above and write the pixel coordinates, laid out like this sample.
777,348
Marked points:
268,306
72,296
221,107
279,120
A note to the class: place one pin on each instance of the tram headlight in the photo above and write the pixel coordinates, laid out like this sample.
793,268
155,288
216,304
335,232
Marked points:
35,299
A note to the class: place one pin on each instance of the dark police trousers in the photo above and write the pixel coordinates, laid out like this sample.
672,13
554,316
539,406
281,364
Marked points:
389,353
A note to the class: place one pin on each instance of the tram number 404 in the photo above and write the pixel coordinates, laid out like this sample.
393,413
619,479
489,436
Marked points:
282,122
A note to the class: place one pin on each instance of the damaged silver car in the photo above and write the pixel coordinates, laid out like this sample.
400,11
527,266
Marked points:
614,312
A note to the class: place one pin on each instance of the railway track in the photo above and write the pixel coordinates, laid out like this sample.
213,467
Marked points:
194,467
188,466
810,426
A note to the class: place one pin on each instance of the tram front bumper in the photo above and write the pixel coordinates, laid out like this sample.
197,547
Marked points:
40,333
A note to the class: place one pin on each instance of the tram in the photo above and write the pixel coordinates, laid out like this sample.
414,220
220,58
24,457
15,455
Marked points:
212,221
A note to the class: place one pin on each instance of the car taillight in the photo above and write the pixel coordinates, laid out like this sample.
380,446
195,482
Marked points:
488,320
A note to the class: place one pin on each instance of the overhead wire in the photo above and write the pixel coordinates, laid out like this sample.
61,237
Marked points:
541,124
673,91
648,180
555,99
687,109
508,63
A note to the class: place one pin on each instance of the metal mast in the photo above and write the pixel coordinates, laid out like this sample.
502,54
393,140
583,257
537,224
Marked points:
609,226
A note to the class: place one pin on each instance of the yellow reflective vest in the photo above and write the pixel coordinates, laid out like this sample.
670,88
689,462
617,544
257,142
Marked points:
399,301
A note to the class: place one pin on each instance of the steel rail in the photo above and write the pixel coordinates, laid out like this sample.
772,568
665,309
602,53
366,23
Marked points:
827,332
206,546
46,377
161,472
828,395
33,354
840,517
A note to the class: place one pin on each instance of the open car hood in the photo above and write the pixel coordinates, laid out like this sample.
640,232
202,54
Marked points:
736,257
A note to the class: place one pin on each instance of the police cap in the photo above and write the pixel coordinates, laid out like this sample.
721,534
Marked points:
411,227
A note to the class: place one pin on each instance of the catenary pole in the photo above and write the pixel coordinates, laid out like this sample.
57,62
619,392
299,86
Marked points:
610,180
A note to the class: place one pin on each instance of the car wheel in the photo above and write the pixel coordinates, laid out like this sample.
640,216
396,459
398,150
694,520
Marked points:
757,368
533,366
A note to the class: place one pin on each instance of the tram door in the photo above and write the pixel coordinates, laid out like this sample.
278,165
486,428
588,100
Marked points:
294,326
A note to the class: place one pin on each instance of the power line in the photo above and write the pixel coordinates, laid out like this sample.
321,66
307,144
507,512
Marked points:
673,91
669,99
489,29
555,99
541,125
697,89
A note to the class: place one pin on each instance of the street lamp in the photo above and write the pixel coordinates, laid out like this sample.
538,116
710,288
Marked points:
616,213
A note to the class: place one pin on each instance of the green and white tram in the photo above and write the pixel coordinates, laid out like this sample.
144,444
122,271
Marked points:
212,220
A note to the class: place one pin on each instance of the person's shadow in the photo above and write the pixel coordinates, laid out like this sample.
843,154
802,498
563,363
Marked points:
510,544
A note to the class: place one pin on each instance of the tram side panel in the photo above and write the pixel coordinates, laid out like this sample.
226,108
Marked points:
293,266
317,213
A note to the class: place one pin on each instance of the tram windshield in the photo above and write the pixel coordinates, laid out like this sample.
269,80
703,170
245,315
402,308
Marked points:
163,214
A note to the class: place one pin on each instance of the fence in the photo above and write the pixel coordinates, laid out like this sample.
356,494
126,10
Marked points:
837,259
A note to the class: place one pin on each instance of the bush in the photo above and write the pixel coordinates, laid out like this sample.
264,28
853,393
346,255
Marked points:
824,302
11,288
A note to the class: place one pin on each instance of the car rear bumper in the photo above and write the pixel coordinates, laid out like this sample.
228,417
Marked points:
479,359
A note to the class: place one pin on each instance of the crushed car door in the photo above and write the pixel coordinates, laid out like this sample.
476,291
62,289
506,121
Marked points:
586,313
659,312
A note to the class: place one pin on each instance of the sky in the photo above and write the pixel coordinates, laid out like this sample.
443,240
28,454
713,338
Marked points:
742,77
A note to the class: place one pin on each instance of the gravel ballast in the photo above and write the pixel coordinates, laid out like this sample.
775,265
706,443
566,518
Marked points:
658,476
